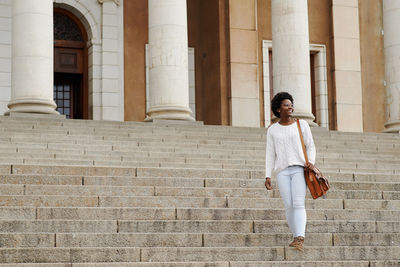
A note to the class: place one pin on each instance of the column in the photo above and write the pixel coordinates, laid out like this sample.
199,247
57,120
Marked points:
391,22
5,54
291,54
32,57
168,60
347,71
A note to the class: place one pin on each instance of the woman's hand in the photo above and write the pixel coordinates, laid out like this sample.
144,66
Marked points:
309,166
268,183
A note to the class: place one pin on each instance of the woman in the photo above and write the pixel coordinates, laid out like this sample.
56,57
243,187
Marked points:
284,156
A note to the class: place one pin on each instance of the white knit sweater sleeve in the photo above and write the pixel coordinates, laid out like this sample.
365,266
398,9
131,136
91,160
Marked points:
308,141
270,154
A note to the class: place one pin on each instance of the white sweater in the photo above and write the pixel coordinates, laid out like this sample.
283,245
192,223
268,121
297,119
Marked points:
284,147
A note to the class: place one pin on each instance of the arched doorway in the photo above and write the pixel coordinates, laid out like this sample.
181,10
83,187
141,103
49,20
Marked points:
70,65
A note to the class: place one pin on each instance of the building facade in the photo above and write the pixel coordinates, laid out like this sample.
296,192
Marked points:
217,61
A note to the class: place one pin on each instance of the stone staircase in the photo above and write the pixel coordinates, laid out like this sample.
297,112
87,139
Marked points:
87,193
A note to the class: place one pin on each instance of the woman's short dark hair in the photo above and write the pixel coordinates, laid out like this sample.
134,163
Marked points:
277,100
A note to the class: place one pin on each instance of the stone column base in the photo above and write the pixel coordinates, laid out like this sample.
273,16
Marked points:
173,113
41,106
36,116
307,117
392,127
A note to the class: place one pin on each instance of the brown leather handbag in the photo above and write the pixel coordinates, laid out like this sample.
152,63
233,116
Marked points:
316,182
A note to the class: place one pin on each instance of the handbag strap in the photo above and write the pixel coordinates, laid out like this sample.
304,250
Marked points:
302,141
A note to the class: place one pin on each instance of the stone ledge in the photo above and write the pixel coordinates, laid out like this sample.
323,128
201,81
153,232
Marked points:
36,116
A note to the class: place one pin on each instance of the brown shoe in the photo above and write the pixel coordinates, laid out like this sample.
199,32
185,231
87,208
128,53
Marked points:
294,242
299,245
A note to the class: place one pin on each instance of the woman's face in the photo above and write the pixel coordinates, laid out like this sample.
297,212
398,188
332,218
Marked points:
286,108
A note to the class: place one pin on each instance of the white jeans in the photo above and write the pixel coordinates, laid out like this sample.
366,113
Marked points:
292,188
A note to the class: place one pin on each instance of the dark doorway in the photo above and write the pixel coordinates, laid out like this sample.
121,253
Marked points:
312,79
70,66
68,94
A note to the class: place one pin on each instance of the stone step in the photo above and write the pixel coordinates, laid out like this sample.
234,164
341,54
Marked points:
91,126
163,201
120,137
360,263
372,204
124,213
183,201
68,170
121,171
357,152
80,162
190,186
58,226
209,191
79,190
192,226
68,255
91,190
121,134
48,201
312,204
344,167
17,213
138,142
79,153
217,146
362,171
274,214
341,155
186,161
182,240
319,239
383,263
335,185
192,240
129,240
276,226
369,239
123,264
176,162
259,193
126,126
268,254
33,179
346,136
329,226
28,240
